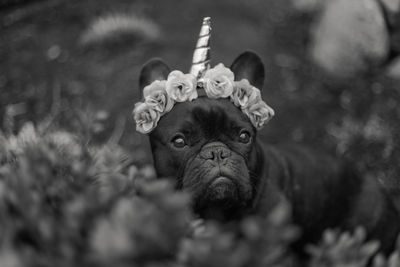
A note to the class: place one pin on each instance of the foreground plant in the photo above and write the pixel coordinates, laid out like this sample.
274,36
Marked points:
64,203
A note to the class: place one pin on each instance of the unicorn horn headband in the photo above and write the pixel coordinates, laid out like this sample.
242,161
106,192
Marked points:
201,55
218,82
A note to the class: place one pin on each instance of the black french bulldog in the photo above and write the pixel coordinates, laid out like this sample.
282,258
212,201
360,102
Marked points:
211,148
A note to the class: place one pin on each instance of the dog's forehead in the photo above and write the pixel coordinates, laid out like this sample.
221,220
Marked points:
203,114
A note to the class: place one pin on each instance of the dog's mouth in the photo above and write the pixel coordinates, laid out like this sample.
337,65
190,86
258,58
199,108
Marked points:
220,199
218,192
222,189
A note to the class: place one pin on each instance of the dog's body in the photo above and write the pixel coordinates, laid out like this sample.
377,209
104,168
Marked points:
211,147
327,193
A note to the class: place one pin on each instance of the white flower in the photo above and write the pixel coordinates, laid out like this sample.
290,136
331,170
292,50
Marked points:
244,94
154,87
156,96
181,87
218,82
146,117
259,113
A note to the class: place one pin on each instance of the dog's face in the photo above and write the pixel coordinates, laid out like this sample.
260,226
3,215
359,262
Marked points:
209,145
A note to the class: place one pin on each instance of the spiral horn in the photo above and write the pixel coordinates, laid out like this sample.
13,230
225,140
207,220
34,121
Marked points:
201,55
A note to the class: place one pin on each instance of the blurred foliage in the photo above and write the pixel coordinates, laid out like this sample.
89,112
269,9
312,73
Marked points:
350,250
66,203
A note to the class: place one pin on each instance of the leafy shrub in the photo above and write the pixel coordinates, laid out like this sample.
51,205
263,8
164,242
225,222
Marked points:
66,203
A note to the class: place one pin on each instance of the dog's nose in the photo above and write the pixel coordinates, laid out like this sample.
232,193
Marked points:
215,152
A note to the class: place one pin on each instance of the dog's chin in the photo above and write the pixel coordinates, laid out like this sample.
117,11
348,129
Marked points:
221,200
222,190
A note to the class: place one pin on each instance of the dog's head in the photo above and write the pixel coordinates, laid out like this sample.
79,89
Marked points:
209,145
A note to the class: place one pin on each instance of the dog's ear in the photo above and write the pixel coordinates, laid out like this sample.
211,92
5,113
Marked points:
249,66
154,69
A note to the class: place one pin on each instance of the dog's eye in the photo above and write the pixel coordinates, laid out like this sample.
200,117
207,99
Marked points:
244,137
179,141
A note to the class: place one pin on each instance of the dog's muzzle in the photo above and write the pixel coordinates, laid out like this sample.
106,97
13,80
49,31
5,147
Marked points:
215,151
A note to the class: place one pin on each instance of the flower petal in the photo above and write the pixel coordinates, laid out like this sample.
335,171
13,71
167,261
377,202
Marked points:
219,82
181,87
154,87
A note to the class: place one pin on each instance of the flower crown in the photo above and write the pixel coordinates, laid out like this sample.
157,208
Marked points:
217,82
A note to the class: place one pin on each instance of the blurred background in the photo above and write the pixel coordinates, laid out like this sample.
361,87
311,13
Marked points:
332,72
